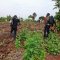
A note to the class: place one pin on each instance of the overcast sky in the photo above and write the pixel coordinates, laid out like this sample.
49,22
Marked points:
24,8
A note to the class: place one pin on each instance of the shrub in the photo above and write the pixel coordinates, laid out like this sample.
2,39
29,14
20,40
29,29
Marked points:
17,43
34,49
21,37
57,16
53,44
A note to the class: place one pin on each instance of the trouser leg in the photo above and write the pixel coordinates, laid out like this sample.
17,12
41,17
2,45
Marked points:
15,33
11,30
46,32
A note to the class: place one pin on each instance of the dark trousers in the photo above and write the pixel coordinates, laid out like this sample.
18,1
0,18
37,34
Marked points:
14,30
46,31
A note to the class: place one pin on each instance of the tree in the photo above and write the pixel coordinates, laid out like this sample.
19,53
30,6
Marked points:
9,18
34,16
2,19
57,4
57,16
30,16
42,17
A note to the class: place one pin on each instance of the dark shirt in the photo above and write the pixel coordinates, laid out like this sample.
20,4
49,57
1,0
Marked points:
15,22
52,21
47,25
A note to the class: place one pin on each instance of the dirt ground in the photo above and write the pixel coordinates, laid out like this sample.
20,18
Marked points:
7,46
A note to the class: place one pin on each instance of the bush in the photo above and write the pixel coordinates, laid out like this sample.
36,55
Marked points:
53,44
57,16
17,43
34,49
33,45
58,27
22,36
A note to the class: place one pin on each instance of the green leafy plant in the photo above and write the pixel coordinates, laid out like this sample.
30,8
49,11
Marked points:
58,25
34,47
21,37
53,44
57,17
17,43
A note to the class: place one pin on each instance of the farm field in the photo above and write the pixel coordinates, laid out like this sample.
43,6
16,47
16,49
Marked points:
29,30
14,50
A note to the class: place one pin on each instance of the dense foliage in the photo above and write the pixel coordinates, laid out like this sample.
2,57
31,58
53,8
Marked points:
57,4
57,17
7,18
35,47
53,44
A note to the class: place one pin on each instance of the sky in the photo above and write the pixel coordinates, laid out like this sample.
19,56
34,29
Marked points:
24,8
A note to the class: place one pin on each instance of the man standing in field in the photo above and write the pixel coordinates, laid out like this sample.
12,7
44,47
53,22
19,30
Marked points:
14,23
47,25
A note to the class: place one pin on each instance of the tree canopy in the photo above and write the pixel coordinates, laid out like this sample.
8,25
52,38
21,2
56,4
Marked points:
57,4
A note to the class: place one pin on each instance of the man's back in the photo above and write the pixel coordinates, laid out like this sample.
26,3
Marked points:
52,21
15,22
